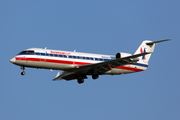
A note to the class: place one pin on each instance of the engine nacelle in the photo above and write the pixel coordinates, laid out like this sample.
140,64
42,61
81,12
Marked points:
121,55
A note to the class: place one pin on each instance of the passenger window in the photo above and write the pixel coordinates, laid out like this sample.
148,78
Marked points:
105,59
100,59
38,54
96,59
43,54
46,54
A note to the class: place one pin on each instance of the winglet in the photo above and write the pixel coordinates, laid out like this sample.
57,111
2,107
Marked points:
151,43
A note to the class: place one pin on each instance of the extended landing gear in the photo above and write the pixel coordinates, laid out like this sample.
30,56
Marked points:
80,80
95,76
23,73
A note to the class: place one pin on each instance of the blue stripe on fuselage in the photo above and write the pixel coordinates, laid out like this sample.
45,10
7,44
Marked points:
140,64
64,56
78,57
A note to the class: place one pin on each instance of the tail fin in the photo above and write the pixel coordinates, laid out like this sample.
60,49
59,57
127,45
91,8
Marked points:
147,46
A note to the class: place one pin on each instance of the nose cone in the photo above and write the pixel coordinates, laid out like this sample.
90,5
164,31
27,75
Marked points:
13,60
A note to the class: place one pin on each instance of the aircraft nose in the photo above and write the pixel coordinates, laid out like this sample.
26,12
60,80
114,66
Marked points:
13,60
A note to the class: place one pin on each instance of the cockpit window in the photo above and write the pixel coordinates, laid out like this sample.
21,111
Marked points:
27,52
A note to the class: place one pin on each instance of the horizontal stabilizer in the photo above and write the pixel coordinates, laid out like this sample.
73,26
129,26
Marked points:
151,43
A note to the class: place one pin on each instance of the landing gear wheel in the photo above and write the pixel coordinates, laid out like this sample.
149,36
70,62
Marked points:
95,76
23,73
80,80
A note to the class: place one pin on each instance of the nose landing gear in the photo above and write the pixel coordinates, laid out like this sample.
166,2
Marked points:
23,73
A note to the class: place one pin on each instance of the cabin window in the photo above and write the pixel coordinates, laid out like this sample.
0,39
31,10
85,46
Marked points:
55,55
100,59
43,54
106,59
51,55
38,53
46,54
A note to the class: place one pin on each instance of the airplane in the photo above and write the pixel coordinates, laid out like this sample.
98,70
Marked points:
77,65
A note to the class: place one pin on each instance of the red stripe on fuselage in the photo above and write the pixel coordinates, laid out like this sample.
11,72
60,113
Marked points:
71,62
51,61
59,61
27,59
130,68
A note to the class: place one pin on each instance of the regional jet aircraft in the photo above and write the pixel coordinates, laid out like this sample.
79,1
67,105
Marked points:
77,65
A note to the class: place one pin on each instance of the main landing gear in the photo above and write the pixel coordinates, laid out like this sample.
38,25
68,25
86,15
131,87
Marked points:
80,80
95,76
23,73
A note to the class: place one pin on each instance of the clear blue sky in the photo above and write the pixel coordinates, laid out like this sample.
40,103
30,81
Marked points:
94,26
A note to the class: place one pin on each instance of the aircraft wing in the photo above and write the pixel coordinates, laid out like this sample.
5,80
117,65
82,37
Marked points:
99,68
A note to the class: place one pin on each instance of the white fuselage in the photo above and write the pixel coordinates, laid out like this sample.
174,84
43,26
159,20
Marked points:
65,60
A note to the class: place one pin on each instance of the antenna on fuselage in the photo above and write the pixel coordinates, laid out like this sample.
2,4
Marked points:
74,50
45,48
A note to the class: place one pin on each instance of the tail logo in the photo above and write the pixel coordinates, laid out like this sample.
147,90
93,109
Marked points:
141,50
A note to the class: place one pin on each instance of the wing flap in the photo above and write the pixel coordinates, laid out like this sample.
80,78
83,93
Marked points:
65,75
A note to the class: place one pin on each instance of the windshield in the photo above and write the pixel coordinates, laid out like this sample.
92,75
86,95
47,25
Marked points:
31,52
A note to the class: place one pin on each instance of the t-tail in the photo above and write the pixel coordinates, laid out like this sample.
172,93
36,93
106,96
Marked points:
147,46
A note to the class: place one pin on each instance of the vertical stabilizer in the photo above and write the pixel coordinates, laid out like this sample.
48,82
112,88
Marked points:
147,46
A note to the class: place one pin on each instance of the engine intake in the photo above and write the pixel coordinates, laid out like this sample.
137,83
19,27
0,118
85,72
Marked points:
118,55
121,55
